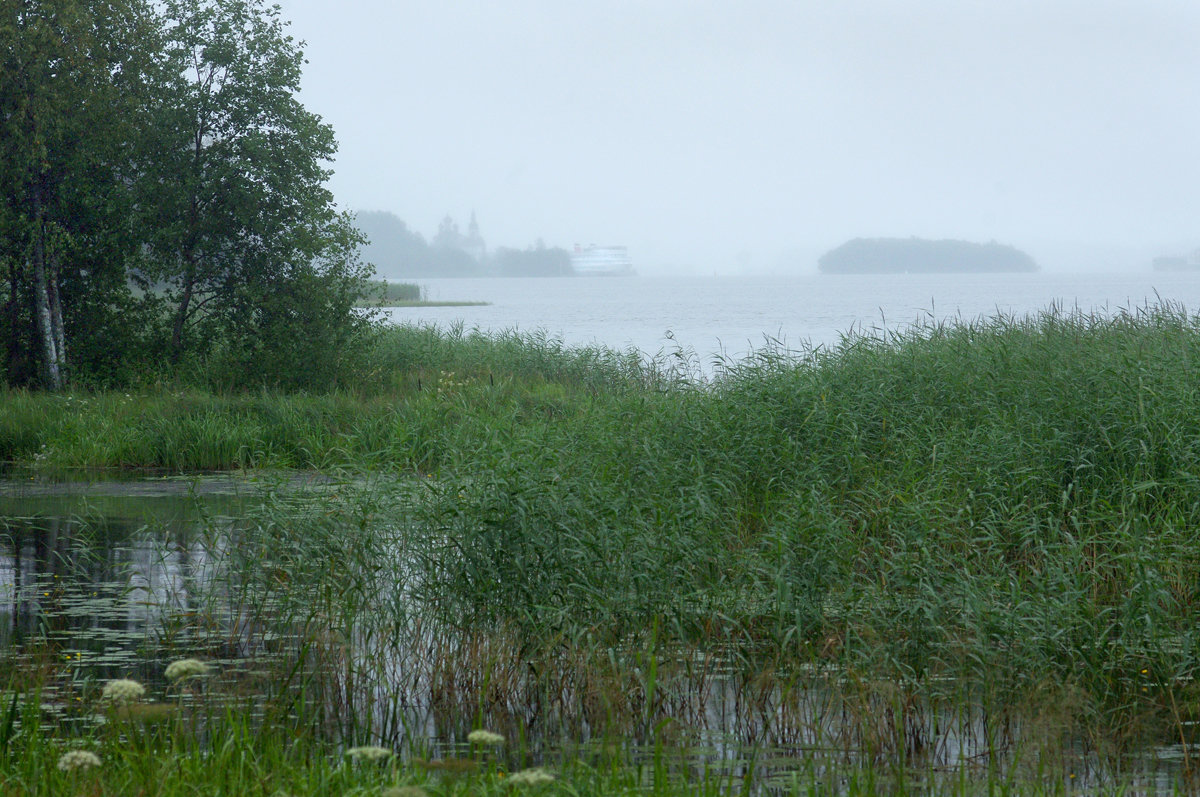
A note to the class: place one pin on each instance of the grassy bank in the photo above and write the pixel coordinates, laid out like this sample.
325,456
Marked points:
987,527
179,744
423,406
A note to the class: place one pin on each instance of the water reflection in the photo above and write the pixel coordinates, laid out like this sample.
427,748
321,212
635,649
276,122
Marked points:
103,576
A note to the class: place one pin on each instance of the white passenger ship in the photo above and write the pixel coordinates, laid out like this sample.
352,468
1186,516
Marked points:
1178,263
601,261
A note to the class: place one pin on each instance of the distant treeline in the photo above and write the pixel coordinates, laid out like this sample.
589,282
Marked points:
398,252
916,255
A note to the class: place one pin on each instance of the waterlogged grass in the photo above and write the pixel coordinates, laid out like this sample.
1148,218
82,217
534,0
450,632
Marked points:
386,292
183,737
974,542
176,745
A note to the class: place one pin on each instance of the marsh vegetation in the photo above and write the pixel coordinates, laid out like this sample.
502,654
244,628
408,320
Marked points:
961,557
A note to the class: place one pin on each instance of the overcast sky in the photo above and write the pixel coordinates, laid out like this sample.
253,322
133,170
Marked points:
757,134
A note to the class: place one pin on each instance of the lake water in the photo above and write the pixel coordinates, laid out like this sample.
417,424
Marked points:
733,315
97,566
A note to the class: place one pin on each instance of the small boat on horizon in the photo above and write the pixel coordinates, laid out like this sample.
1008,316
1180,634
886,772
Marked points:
601,261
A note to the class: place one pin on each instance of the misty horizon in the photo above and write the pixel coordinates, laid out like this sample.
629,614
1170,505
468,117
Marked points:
706,138
1049,256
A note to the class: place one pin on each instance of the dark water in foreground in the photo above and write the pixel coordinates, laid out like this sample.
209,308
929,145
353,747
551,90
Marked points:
121,577
98,568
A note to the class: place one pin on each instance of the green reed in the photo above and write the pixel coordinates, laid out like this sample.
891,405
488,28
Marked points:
383,292
407,410
1006,504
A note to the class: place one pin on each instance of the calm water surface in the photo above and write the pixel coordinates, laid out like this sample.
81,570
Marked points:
712,316
99,567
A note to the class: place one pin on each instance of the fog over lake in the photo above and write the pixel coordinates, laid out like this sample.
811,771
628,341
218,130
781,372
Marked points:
752,137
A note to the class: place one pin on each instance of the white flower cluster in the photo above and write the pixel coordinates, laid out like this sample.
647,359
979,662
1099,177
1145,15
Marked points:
185,668
447,384
530,777
122,691
78,759
404,791
368,753
485,738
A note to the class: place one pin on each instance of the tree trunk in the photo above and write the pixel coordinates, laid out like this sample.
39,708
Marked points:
56,317
41,300
181,315
13,312
189,249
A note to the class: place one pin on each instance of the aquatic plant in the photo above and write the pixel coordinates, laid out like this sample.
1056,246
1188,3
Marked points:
404,791
530,777
970,539
368,753
185,668
73,760
485,738
122,691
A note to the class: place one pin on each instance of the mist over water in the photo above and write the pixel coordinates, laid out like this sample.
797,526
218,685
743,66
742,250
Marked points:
732,316
707,134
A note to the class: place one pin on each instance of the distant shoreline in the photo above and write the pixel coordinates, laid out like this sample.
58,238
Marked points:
384,293
422,303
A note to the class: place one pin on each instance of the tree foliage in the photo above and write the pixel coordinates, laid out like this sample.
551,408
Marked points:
536,261
166,202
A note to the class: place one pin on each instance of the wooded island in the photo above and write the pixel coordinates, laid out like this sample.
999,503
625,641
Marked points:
917,256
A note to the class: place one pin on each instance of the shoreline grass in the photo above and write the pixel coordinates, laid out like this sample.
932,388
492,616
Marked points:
383,294
428,303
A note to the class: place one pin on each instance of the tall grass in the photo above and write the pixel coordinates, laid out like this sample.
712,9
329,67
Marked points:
385,292
1008,504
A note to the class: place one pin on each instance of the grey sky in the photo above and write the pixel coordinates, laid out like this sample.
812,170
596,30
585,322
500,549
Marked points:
706,133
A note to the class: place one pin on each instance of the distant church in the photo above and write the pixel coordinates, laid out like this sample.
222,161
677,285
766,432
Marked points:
473,244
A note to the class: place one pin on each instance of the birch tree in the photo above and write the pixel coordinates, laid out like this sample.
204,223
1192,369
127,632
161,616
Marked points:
69,91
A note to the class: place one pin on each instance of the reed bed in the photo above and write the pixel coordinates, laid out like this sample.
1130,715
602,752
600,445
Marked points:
970,542
385,293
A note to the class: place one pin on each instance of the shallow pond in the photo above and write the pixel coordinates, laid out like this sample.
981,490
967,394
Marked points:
94,566
118,576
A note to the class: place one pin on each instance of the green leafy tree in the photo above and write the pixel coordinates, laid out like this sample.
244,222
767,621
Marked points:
162,147
244,239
